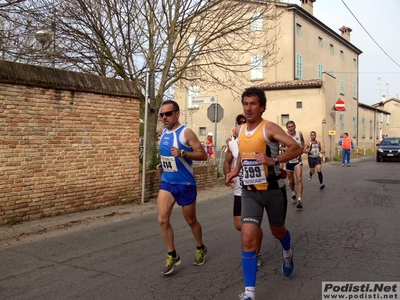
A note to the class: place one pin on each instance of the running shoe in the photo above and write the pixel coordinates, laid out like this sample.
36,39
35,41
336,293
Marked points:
322,186
200,257
243,296
170,263
309,177
259,261
288,265
294,201
343,165
299,205
348,165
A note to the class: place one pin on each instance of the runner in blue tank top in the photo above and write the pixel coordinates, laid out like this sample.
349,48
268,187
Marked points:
179,146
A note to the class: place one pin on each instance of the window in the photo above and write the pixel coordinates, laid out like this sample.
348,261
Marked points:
354,63
331,72
381,117
256,72
355,89
371,129
377,130
387,119
193,91
331,49
298,29
299,66
341,124
320,71
193,47
341,55
342,84
320,42
299,104
256,22
363,128
202,131
284,119
355,126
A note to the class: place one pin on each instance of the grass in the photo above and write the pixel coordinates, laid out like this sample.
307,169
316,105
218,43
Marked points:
353,154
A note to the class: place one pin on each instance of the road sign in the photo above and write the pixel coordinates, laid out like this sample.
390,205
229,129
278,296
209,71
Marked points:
215,111
201,100
339,105
332,132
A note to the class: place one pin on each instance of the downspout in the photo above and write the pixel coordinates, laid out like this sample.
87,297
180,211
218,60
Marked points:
294,44
358,90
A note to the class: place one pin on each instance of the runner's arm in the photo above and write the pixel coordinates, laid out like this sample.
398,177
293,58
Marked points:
198,150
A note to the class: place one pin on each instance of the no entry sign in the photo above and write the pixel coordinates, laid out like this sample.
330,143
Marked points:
339,105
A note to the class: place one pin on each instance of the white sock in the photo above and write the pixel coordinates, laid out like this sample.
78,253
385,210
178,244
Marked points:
250,292
293,193
287,254
299,199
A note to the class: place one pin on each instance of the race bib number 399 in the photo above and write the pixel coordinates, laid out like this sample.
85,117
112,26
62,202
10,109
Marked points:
253,172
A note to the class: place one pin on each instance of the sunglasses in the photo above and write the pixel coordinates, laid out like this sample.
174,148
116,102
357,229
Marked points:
241,122
167,113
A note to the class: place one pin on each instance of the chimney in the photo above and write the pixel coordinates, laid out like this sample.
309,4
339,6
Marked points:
307,5
345,32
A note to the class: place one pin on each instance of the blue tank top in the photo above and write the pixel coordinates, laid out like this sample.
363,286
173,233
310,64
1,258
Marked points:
176,170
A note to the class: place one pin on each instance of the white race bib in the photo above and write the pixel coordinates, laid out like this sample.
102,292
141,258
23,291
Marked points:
315,151
168,164
253,172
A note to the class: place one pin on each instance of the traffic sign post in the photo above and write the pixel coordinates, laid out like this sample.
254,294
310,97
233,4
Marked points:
339,105
215,113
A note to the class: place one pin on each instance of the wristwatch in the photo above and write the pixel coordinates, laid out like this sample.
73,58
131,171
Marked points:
183,153
276,160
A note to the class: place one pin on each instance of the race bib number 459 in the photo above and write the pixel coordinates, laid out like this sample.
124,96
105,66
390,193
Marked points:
253,172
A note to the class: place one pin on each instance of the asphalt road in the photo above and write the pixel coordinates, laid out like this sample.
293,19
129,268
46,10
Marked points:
347,232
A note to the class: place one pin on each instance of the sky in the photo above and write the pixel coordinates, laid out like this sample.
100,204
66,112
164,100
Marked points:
379,73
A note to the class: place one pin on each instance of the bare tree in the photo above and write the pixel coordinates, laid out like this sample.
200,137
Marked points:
183,42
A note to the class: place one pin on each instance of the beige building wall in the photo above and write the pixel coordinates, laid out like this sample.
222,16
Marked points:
393,124
372,123
317,109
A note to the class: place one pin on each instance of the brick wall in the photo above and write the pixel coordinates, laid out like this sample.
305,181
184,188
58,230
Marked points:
69,142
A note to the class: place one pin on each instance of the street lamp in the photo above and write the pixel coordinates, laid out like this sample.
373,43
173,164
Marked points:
43,36
46,38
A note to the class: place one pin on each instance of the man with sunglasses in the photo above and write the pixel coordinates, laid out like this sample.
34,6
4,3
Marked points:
179,146
263,186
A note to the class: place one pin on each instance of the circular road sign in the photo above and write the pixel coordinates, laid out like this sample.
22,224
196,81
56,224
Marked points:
339,105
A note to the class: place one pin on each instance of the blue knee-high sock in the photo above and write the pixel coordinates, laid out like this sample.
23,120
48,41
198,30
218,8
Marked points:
249,267
285,242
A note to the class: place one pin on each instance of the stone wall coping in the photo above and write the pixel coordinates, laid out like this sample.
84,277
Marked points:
45,77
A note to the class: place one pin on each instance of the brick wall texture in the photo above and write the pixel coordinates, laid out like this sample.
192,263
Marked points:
69,142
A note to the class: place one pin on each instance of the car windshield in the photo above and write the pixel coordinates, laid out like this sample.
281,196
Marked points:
391,142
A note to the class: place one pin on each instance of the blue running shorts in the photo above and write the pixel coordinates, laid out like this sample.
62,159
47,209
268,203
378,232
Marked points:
184,194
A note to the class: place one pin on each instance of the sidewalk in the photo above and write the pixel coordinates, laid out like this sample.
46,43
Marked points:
31,231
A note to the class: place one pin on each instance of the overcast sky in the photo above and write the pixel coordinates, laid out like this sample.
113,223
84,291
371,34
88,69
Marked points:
381,18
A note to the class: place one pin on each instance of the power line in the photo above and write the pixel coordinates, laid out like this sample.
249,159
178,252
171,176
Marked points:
369,34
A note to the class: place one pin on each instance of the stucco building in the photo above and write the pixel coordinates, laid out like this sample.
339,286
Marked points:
314,67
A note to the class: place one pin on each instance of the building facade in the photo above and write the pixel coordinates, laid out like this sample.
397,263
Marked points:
313,68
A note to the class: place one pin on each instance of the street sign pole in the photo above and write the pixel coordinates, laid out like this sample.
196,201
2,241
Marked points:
215,122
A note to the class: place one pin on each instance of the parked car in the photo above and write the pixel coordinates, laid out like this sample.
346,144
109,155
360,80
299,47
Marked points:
388,149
